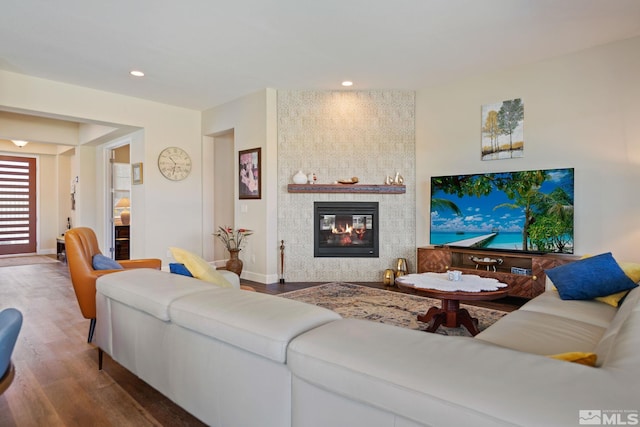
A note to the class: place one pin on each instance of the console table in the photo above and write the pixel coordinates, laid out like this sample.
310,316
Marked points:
528,282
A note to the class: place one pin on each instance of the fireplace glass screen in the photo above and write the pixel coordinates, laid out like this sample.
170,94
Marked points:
346,229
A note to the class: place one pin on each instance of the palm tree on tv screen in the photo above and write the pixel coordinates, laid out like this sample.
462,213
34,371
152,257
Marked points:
553,228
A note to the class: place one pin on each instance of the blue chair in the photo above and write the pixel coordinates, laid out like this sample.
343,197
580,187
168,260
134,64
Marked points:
10,324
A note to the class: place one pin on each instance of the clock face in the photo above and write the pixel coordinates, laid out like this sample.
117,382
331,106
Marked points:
174,163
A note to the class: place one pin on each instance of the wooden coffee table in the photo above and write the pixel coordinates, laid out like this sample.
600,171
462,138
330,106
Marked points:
450,314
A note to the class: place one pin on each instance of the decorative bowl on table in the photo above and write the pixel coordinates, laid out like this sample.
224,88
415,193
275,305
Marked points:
486,262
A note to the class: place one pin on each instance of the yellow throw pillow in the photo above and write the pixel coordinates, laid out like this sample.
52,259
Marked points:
613,299
588,359
632,270
199,268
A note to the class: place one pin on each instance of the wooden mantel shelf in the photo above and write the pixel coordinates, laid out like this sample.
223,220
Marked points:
346,188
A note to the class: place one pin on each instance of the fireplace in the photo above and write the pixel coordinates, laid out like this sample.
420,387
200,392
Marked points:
345,229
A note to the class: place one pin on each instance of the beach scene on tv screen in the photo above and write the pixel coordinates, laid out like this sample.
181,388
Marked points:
518,211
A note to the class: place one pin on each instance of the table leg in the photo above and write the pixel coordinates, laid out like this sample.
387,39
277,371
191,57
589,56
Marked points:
426,318
435,317
468,322
451,316
451,307
437,320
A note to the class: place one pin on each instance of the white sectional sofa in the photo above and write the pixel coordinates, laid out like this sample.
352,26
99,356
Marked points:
238,359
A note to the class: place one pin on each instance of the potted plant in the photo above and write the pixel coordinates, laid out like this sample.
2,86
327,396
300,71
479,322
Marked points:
234,240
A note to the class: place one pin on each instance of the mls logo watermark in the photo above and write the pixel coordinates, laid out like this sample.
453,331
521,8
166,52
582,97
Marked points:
608,417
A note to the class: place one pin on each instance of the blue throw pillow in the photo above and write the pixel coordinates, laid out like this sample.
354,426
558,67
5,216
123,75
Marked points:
589,278
101,262
178,268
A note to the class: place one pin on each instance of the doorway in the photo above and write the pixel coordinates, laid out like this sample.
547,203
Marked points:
17,205
223,187
120,203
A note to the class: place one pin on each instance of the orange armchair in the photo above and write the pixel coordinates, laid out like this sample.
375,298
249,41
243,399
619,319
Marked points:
81,245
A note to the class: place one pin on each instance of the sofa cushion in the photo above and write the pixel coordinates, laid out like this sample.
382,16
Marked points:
389,368
589,311
589,278
440,380
200,268
630,305
148,290
620,349
101,262
259,323
542,333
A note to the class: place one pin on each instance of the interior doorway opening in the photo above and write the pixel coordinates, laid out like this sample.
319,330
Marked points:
223,187
120,204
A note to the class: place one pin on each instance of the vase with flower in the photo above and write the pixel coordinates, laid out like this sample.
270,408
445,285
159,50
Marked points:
234,241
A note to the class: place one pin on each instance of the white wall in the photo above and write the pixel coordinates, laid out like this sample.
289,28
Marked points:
581,111
63,178
47,190
252,119
40,129
170,213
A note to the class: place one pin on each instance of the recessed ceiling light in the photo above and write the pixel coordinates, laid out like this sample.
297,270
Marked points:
347,83
136,73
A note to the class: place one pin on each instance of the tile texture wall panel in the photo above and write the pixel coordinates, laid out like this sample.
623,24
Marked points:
338,135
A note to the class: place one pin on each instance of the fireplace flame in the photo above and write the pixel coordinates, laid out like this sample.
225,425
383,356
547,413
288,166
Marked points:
341,229
345,232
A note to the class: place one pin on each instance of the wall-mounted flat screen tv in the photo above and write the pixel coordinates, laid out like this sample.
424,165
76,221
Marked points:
529,211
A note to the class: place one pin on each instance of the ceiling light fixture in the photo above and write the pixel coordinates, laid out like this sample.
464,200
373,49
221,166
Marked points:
19,143
347,83
136,73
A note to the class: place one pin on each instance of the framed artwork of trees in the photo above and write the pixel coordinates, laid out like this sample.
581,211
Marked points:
503,130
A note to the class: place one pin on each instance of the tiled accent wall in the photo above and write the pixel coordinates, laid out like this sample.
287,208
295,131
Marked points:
338,135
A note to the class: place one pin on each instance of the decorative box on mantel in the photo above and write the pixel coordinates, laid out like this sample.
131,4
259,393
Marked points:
346,188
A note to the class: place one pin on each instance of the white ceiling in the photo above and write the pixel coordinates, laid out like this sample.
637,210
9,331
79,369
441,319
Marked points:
201,53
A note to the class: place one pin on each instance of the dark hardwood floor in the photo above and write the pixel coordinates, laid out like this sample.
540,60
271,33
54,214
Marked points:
57,380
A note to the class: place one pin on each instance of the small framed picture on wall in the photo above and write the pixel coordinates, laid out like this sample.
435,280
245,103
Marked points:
136,173
250,175
503,130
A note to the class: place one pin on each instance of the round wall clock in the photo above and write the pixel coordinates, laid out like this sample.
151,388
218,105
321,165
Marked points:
174,163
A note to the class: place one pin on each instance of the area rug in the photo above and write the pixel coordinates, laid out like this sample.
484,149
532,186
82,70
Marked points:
377,305
26,260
